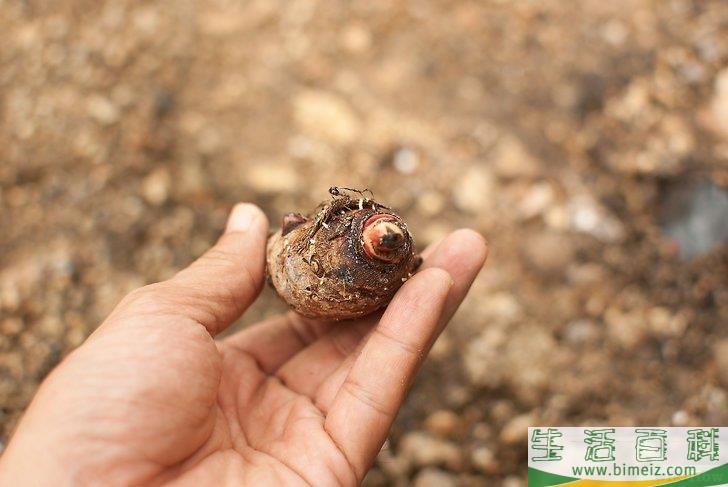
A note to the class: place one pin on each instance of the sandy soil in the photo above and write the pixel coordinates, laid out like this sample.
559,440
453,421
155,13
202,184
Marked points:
587,140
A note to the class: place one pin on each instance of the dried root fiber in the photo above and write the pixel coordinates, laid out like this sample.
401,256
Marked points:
344,260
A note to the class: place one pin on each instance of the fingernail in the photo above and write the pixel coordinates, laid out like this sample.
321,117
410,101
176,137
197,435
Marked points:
241,218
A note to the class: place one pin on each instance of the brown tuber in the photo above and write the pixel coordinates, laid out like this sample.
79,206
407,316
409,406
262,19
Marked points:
345,260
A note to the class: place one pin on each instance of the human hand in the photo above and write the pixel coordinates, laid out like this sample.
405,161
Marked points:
152,398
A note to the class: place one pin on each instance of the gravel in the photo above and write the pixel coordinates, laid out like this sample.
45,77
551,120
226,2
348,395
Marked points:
128,130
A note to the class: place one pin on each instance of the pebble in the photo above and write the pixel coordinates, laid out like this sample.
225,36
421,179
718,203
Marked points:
434,477
515,432
482,432
588,216
614,32
405,160
513,481
443,423
719,103
484,460
423,450
457,395
356,38
663,323
502,306
102,110
474,190
626,329
682,418
511,159
156,186
536,201
326,116
430,203
11,326
581,332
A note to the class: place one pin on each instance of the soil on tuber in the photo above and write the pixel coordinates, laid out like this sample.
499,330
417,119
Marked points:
344,260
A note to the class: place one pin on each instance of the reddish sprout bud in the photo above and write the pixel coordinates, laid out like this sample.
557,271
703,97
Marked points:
383,238
291,221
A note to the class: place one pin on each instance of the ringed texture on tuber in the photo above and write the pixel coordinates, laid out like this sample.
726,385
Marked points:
344,260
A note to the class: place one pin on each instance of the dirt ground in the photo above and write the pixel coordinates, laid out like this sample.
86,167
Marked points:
588,141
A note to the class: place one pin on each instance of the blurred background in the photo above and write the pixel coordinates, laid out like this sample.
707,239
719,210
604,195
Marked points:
587,140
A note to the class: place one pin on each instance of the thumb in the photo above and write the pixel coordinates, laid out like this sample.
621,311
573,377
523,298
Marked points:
220,285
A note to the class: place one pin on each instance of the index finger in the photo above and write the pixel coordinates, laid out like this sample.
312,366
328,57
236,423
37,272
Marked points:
374,389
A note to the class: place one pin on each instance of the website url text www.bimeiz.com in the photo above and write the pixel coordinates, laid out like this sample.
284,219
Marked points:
616,470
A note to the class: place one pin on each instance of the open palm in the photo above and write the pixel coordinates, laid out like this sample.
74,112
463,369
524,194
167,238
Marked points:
152,398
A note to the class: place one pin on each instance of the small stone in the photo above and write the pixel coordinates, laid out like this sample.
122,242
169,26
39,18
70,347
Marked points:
155,187
431,203
502,306
482,432
11,326
515,432
682,418
513,481
511,159
267,177
484,460
627,329
356,38
51,327
588,216
326,116
581,332
405,160
425,450
664,323
102,110
586,274
443,423
434,477
557,217
75,337
634,100
536,201
474,190
457,395
719,103
615,32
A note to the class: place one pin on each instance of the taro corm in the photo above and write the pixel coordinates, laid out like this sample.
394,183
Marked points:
344,260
